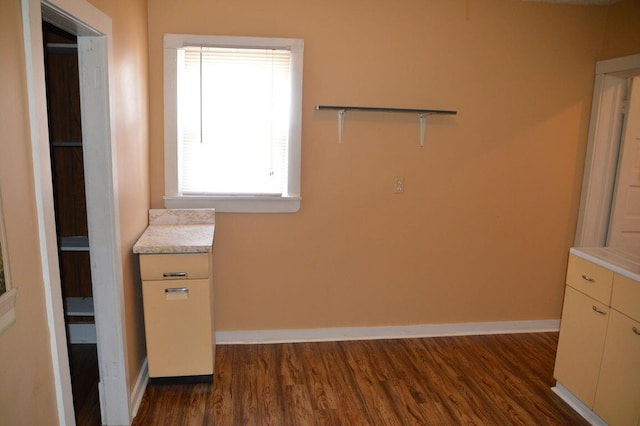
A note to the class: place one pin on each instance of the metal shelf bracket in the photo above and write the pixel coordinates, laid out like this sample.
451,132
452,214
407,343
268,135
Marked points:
422,114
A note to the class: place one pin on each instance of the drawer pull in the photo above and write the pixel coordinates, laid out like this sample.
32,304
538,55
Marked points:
174,274
588,278
596,310
635,330
182,290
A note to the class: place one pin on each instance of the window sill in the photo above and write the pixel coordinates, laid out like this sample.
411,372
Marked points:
7,309
235,204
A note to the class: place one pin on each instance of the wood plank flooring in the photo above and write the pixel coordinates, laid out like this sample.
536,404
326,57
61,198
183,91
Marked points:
83,361
470,380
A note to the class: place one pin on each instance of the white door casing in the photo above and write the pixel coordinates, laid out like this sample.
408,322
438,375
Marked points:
624,227
94,55
602,149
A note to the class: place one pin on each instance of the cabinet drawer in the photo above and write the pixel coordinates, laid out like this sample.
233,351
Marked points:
625,296
174,266
590,279
178,328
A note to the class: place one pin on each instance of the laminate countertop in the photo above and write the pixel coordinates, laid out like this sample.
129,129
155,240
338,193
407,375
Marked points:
624,261
177,231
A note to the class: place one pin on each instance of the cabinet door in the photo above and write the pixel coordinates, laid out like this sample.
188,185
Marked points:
618,395
177,318
582,334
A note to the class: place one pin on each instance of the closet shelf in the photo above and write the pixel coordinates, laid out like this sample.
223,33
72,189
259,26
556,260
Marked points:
79,307
422,114
66,144
62,48
80,243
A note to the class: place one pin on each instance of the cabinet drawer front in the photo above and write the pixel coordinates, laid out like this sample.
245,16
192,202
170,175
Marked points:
625,296
589,278
178,327
174,266
582,335
618,395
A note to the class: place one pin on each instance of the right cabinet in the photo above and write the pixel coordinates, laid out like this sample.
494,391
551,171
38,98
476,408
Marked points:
598,357
618,394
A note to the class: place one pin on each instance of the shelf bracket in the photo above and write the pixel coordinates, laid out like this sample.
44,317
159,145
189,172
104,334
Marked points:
423,125
340,125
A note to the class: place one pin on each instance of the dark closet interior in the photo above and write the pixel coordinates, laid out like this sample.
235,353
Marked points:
67,170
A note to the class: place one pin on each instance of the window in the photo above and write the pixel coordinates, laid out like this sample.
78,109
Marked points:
232,123
7,293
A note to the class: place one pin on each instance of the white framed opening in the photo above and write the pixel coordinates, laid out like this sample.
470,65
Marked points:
601,162
93,29
287,199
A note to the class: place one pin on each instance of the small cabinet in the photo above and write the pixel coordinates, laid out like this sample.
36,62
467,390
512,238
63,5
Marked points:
178,313
598,356
580,345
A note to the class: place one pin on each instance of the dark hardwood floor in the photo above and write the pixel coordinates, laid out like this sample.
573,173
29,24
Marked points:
466,380
83,362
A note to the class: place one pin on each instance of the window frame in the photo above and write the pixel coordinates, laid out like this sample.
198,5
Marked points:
289,202
8,298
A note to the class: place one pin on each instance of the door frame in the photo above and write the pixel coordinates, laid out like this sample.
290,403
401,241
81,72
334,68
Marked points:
94,32
603,145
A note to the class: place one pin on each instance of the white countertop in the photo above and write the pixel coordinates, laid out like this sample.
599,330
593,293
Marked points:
177,231
624,261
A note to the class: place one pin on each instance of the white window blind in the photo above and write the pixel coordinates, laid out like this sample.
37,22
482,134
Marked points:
234,108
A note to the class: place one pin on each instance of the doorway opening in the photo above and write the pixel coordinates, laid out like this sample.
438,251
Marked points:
603,149
93,30
67,171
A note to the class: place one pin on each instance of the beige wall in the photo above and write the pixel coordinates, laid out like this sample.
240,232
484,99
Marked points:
483,228
622,36
130,55
26,375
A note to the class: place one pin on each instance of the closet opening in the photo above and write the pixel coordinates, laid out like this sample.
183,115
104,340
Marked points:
67,171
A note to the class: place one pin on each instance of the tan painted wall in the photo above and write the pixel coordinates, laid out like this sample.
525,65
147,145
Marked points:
622,36
26,375
489,210
130,55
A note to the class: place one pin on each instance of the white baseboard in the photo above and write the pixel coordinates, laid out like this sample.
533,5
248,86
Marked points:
566,395
393,332
138,389
81,333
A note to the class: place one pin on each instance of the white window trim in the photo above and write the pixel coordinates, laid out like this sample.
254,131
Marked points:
8,298
289,202
8,309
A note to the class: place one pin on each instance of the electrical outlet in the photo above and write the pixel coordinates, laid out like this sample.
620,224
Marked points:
399,182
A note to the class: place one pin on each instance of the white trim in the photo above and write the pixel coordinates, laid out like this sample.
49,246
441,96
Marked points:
235,204
617,65
392,332
566,395
601,161
99,154
602,150
36,92
81,333
290,201
8,309
94,30
139,388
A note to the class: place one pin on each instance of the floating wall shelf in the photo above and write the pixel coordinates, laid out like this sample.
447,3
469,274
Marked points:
422,114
